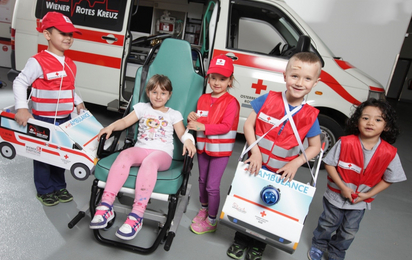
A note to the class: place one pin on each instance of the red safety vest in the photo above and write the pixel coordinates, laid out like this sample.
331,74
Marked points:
350,165
216,145
46,91
279,149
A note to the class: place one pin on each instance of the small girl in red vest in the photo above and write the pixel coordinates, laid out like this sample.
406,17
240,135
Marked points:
359,166
216,124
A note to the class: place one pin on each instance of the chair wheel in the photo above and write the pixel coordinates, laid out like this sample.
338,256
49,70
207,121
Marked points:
110,223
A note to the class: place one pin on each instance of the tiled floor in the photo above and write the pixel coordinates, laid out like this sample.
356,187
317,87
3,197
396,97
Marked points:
31,231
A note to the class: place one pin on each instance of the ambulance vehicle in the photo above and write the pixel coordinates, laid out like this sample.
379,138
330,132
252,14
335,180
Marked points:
259,35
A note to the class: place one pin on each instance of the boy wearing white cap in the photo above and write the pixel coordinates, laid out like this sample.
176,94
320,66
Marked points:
52,77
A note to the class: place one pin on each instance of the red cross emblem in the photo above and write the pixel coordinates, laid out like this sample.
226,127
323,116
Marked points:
350,165
66,157
263,214
259,86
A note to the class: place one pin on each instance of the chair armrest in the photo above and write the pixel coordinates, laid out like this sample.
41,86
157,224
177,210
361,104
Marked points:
101,152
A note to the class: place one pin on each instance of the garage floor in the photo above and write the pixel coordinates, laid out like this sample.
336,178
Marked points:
32,231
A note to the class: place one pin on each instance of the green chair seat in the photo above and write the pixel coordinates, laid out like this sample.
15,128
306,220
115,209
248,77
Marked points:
168,182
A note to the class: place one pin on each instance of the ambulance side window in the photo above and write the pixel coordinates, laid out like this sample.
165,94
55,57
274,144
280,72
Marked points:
260,28
11,124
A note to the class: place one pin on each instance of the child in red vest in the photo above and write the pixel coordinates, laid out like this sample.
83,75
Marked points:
359,166
216,124
278,150
52,77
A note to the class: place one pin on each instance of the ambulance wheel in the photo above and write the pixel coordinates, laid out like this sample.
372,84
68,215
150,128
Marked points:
7,150
332,131
80,171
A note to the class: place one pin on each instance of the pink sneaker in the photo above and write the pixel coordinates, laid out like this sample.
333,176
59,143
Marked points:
203,227
201,216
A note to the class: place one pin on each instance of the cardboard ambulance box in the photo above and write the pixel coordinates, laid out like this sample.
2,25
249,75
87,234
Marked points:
259,35
72,145
280,224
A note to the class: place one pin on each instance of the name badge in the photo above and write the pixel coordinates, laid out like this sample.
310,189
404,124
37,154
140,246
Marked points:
202,113
56,75
268,119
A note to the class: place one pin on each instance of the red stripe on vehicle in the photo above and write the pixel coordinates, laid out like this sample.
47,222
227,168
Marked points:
95,36
376,89
334,84
257,62
5,42
344,64
270,64
90,58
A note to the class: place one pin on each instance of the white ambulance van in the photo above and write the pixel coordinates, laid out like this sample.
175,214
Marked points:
259,35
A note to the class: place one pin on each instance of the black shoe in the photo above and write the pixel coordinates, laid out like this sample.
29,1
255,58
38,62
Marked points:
48,199
254,253
236,251
63,195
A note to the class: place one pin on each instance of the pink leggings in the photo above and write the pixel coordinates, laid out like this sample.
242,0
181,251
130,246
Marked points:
150,162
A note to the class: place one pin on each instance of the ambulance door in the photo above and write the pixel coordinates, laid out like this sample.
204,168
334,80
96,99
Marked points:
99,52
259,37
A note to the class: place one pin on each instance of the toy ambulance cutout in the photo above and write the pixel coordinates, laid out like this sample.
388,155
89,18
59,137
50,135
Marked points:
268,209
72,145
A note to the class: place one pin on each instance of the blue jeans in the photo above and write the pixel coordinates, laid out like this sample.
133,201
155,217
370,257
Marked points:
48,178
342,223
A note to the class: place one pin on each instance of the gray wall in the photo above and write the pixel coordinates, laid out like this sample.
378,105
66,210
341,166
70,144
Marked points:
366,33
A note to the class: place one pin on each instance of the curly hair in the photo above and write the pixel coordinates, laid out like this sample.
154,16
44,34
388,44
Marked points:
391,131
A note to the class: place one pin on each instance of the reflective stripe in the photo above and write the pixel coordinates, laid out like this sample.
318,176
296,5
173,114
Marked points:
265,143
277,150
47,107
284,153
334,186
222,147
200,145
276,164
230,135
265,157
52,94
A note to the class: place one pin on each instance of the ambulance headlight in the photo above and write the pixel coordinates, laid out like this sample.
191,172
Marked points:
270,195
379,95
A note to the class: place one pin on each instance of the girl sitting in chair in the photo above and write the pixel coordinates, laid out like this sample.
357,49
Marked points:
153,152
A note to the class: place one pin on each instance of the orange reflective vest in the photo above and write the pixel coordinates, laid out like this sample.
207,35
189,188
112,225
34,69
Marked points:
351,165
56,89
279,149
216,145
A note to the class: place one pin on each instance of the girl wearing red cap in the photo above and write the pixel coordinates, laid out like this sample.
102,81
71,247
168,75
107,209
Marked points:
216,122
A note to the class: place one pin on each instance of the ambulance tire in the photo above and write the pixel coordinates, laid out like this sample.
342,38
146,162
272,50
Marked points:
80,171
7,151
332,131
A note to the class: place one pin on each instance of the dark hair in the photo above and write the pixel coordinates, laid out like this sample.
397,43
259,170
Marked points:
391,130
159,80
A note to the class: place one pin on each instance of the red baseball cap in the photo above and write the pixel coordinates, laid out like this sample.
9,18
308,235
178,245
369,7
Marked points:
222,65
58,21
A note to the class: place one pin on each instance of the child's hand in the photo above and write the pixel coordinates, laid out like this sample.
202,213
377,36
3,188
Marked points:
80,107
346,193
196,126
22,116
289,170
190,147
358,197
192,116
107,130
255,163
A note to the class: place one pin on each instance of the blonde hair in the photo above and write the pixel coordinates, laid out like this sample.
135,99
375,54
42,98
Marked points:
308,57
